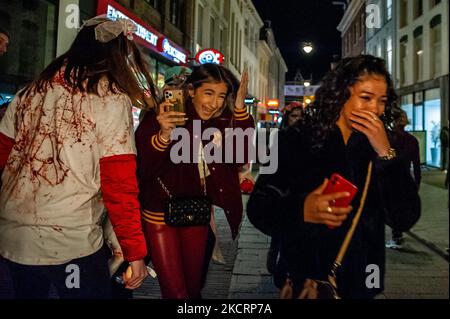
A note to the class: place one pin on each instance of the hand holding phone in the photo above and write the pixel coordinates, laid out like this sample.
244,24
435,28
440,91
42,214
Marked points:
320,206
338,184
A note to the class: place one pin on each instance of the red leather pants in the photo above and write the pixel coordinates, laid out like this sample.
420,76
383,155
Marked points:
177,253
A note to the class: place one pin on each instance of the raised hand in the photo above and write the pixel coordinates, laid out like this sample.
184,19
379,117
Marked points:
135,274
242,91
168,120
370,125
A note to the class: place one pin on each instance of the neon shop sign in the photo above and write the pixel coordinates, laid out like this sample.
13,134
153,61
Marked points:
209,56
173,52
141,32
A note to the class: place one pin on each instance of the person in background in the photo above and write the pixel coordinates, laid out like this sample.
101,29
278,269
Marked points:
4,41
407,148
291,114
67,149
274,262
214,101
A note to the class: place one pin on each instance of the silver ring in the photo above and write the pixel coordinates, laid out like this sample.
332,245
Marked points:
330,210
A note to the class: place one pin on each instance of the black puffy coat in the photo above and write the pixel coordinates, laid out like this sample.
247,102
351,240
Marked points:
276,207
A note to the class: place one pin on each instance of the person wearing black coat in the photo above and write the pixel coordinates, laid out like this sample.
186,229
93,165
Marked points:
341,132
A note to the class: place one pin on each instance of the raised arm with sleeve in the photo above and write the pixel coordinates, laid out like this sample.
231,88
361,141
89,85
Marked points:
399,194
118,181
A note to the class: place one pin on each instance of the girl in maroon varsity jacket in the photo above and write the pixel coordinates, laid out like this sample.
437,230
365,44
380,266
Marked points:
213,103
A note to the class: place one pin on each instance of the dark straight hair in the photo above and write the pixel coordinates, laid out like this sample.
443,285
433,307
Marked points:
88,60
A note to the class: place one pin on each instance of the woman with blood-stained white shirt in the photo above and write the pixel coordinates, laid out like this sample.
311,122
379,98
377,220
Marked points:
67,149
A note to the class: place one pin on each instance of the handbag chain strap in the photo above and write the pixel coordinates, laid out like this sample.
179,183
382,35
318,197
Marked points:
166,190
348,237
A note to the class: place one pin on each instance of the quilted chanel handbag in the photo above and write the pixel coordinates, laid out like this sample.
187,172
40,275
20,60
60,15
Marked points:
183,212
188,212
327,289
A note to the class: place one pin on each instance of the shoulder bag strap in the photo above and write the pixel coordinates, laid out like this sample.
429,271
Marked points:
166,190
351,231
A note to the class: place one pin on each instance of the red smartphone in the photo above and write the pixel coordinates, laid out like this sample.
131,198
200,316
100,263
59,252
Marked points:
338,184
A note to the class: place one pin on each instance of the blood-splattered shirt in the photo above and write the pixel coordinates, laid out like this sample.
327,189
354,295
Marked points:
51,205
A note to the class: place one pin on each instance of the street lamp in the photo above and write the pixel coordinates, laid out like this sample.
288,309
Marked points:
307,47
306,84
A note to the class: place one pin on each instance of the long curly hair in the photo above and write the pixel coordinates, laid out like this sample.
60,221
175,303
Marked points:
322,115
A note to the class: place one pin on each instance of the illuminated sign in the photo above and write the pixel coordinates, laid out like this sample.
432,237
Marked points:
141,32
176,54
273,103
273,112
145,34
249,100
209,56
300,90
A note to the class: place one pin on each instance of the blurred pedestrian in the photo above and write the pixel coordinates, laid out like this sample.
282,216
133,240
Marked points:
213,101
407,148
4,41
67,146
291,114
341,132
274,262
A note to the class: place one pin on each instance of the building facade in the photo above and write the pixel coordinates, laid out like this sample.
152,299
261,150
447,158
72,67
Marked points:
164,30
352,28
252,24
277,70
381,36
32,26
422,79
210,26
265,55
43,29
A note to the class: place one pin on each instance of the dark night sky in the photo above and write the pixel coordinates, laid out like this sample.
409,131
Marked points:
296,21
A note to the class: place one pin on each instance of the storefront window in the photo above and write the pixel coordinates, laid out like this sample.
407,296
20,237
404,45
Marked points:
389,53
32,27
403,59
157,4
433,126
418,58
407,106
436,43
176,10
418,111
